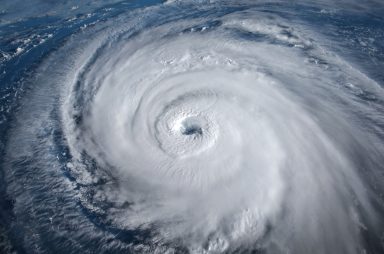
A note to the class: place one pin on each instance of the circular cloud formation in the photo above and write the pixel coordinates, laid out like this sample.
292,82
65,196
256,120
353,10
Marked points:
208,131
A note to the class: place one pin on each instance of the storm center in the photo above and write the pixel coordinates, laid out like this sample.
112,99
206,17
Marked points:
191,126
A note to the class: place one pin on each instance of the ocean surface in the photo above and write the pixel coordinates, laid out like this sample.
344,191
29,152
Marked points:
192,126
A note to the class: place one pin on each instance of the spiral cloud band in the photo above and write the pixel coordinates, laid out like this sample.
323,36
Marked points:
185,128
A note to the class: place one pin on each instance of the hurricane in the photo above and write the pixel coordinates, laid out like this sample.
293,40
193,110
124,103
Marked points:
192,127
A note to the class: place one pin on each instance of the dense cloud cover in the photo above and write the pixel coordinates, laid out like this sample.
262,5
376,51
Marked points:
195,127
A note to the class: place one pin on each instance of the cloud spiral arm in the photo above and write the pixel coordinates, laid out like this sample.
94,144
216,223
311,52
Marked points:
238,131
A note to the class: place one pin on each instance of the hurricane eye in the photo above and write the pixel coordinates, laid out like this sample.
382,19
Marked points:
193,129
